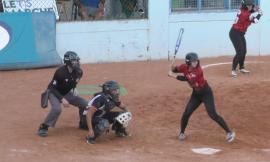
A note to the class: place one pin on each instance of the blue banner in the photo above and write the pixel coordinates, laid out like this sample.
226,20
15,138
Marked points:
27,40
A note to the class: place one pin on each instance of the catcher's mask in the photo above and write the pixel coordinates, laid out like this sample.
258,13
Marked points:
191,57
112,89
72,60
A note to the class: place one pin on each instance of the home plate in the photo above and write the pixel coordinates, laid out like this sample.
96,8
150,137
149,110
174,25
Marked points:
205,151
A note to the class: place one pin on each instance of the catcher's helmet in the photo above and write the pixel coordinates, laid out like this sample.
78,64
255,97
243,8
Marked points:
247,2
191,57
111,88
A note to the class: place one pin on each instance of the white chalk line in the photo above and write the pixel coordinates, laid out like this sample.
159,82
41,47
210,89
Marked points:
227,63
265,150
21,150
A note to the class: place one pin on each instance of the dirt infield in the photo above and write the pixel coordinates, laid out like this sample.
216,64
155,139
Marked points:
156,101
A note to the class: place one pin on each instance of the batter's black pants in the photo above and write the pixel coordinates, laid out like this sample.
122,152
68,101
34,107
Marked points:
239,43
205,96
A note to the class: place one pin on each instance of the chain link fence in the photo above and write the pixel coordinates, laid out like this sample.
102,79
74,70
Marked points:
125,9
70,10
213,4
184,5
235,4
108,9
195,5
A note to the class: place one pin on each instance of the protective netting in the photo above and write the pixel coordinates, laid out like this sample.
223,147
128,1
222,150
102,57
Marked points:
185,5
235,4
117,9
106,9
213,4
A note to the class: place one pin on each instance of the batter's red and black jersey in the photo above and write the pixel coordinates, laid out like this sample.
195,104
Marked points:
194,77
243,20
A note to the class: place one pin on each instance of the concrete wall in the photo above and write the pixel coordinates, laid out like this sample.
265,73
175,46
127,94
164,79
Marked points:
102,41
154,38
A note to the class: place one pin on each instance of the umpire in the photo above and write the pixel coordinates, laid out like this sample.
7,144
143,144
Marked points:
62,90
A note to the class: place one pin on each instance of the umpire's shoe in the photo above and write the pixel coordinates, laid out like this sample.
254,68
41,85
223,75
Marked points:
43,130
230,136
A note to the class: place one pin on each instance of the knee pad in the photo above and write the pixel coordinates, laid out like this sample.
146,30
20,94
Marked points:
124,118
101,127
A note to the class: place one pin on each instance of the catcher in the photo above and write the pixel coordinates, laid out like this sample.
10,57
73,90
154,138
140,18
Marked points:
99,115
202,93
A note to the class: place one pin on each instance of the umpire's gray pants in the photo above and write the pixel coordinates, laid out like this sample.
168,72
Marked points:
56,109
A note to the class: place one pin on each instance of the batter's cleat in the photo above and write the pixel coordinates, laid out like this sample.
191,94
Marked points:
244,71
230,136
234,74
43,130
182,136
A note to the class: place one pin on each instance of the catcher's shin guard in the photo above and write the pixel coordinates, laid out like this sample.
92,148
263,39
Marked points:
101,127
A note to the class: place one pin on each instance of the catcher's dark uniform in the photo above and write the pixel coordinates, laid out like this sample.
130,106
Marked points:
104,106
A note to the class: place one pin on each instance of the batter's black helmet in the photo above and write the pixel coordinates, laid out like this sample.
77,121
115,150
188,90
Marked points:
191,57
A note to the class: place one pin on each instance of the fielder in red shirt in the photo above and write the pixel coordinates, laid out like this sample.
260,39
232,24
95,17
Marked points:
248,13
192,72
